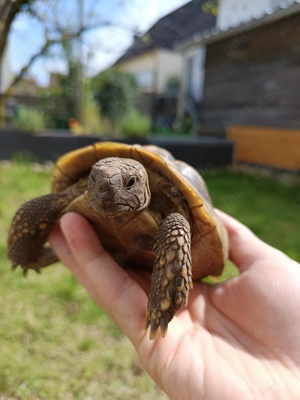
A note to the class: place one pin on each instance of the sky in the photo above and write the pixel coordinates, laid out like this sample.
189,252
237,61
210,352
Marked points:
101,46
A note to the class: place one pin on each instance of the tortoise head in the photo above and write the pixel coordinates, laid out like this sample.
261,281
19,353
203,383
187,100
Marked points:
117,186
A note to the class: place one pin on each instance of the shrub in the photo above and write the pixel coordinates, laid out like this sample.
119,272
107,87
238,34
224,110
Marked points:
134,124
29,119
173,85
93,123
115,92
187,123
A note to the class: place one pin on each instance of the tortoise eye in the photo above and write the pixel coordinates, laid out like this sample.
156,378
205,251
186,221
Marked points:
130,183
93,178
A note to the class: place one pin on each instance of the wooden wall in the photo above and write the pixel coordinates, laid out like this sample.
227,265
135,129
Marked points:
267,146
254,78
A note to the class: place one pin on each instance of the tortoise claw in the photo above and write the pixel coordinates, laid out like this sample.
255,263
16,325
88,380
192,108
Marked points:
25,268
163,326
153,329
14,266
155,324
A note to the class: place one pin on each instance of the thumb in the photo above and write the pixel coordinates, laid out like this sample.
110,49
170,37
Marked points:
245,247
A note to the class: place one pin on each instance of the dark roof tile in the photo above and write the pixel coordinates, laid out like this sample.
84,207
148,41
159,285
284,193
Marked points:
170,29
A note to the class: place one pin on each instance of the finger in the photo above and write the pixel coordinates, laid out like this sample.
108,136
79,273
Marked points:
60,245
143,278
245,246
109,284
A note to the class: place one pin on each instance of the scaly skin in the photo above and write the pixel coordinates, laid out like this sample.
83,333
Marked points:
32,225
171,278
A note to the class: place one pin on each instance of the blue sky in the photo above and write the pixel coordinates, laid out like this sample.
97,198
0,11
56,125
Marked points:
105,44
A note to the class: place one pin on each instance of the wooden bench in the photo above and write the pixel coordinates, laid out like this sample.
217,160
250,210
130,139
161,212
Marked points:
266,146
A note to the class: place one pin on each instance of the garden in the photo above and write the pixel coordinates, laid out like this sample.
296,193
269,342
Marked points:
65,92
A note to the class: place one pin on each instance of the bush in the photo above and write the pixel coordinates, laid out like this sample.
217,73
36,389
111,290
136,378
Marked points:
134,124
187,123
29,119
173,85
115,92
93,123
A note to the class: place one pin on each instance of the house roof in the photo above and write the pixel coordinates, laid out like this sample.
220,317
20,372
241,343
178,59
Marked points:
284,9
171,29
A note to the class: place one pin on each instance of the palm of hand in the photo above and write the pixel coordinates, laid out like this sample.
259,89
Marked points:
241,351
235,340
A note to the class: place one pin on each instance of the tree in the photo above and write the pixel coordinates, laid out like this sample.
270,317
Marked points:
59,25
116,92
65,92
211,6
8,12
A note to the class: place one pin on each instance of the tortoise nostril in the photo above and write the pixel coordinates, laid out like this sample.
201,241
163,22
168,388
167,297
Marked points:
105,188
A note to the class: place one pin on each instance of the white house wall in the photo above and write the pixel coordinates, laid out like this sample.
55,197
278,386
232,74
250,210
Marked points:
170,64
142,65
232,13
152,69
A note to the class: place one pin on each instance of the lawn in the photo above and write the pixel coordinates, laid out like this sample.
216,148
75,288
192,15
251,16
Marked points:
56,343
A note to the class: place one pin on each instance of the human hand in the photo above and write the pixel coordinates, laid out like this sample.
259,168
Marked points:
235,340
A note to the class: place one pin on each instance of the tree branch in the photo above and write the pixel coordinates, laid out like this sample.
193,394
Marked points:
54,34
49,42
8,12
23,71
6,9
14,9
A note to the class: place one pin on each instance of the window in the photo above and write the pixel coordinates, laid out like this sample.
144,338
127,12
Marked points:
196,74
145,79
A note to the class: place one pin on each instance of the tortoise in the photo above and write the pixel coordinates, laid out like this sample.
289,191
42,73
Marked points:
148,209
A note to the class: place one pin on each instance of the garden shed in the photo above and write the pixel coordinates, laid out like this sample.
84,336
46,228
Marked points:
252,81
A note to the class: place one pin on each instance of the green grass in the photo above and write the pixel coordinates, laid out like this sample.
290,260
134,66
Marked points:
267,205
56,343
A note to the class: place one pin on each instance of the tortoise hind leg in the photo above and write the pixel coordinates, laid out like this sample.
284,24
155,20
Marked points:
172,273
30,229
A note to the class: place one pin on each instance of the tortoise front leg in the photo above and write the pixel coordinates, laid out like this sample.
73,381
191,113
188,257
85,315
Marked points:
30,229
32,225
172,273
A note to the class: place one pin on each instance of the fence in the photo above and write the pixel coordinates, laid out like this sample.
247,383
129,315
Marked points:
202,152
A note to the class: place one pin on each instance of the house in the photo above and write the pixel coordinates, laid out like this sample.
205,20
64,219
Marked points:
156,62
252,72
252,75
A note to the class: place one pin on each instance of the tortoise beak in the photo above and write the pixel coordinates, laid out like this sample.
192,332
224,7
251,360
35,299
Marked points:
105,198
